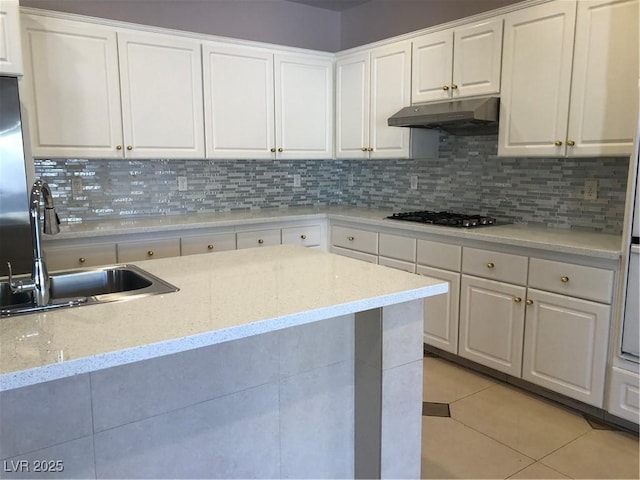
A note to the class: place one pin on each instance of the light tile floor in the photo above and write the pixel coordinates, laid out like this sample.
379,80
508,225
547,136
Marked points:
499,431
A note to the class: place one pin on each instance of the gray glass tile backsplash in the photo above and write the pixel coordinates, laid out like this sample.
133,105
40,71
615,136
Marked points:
468,175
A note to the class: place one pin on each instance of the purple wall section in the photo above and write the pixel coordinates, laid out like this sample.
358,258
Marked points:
272,21
380,19
279,21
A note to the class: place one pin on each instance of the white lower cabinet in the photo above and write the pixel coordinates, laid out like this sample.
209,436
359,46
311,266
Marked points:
306,236
624,394
408,267
565,345
136,250
258,238
492,323
60,258
207,243
441,311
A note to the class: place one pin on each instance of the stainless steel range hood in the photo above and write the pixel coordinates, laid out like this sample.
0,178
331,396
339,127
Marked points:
472,116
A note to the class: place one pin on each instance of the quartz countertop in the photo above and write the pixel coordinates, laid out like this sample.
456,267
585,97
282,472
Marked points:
223,296
561,240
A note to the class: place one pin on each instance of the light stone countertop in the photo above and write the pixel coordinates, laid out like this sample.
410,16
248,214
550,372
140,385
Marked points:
560,240
223,296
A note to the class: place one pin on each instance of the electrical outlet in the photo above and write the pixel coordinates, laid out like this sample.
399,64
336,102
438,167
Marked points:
591,189
350,180
414,182
76,186
296,180
182,184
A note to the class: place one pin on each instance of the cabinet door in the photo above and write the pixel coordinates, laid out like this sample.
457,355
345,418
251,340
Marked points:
150,249
352,106
304,107
207,243
604,90
565,345
477,56
258,238
161,85
238,101
536,77
432,67
492,323
441,311
60,258
10,49
71,72
390,91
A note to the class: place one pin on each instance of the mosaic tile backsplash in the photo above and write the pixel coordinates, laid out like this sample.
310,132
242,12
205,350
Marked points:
467,176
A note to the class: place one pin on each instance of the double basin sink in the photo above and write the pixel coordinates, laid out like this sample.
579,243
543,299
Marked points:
86,287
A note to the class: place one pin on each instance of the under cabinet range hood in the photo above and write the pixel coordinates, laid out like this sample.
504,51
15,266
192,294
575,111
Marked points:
471,116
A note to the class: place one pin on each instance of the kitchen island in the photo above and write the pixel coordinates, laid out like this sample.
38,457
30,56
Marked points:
271,362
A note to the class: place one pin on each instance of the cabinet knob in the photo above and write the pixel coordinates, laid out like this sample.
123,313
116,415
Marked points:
260,241
129,147
490,265
571,143
303,237
557,143
351,239
517,299
82,259
150,253
280,149
273,149
454,87
445,88
529,302
365,149
370,149
210,246
118,147
564,279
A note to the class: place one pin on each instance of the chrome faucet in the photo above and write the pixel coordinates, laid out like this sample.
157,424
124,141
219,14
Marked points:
39,283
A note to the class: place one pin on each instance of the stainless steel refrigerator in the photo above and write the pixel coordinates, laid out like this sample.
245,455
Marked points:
15,232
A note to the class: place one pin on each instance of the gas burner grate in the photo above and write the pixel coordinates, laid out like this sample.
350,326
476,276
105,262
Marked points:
448,219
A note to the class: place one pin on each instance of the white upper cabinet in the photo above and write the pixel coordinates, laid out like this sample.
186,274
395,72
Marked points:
10,50
238,101
303,106
455,63
161,86
75,80
71,72
370,87
547,112
604,93
264,105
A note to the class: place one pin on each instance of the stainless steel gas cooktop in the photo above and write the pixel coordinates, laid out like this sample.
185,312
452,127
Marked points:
449,219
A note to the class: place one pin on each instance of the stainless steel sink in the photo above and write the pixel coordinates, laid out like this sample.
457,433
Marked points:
86,287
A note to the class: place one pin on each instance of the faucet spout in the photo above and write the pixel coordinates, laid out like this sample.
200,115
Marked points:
39,283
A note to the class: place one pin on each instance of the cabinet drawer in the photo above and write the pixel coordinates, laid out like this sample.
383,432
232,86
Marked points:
394,246
355,239
258,238
59,258
148,249
345,252
503,267
439,255
218,242
570,279
307,236
397,264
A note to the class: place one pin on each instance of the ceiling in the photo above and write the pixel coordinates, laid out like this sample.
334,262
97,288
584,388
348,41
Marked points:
336,5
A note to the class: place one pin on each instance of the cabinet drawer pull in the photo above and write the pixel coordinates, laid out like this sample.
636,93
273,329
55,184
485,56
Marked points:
365,149
303,237
260,241
558,143
571,143
129,147
118,147
280,149
150,253
445,87
564,279
454,87
351,239
517,299
490,265
210,246
273,150
370,149
82,259
529,302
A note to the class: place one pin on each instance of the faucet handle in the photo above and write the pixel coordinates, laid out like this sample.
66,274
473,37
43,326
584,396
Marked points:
21,286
